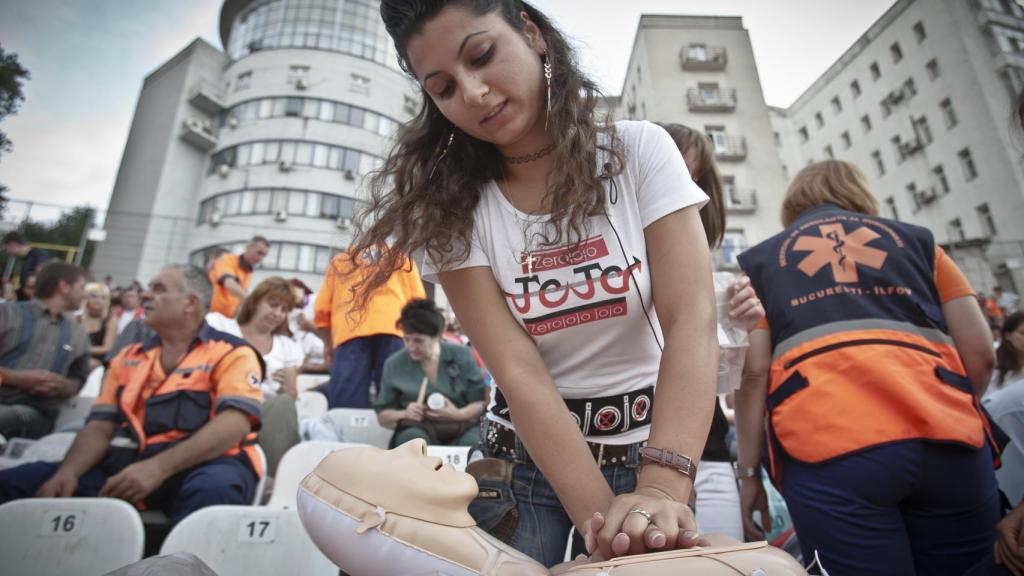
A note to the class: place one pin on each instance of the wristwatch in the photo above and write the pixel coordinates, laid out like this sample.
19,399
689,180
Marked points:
747,471
679,462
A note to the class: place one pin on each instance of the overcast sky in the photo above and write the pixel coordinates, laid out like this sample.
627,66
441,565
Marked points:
88,59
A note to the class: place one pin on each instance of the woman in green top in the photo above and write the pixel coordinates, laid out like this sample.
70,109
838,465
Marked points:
432,390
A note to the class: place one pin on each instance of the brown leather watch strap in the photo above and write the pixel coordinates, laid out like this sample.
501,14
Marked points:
678,462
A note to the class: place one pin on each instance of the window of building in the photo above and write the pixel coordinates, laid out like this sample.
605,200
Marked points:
709,91
698,52
837,106
803,133
1006,39
293,107
956,231
734,242
940,178
865,123
886,108
819,120
897,146
243,81
910,88
875,71
845,137
349,27
855,88
932,67
988,224
919,32
890,203
948,114
298,72
915,199
360,84
967,164
922,131
896,51
876,156
828,152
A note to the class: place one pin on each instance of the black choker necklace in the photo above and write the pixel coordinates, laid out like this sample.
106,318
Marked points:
533,156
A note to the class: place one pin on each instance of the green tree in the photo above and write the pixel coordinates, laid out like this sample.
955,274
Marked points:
12,75
65,231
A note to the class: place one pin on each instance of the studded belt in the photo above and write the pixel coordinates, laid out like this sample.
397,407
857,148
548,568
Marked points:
501,442
604,416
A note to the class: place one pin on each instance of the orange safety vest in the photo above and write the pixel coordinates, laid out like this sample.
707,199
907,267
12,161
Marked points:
158,414
861,351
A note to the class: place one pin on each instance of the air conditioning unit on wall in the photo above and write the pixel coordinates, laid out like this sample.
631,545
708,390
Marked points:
344,223
281,215
223,170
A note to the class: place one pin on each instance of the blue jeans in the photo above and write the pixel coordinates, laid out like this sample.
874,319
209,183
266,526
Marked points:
542,526
354,365
224,480
911,507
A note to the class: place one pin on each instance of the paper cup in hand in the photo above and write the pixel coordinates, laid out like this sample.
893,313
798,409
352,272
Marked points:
435,401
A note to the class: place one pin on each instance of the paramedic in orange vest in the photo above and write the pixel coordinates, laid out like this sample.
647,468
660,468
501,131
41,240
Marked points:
356,344
872,357
231,274
174,427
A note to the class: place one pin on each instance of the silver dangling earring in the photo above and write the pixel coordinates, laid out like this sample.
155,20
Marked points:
444,153
547,77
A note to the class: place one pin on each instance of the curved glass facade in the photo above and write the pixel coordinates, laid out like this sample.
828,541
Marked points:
273,200
348,26
314,109
296,153
283,256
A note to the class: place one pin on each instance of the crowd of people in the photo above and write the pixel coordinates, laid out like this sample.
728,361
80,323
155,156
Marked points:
880,393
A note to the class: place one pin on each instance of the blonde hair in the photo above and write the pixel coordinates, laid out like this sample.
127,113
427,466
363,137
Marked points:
828,182
102,290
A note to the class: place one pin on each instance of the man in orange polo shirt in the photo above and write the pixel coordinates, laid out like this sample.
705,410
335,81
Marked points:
358,343
231,274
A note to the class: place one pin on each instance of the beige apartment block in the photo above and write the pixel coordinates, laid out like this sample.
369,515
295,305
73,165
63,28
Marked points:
271,135
700,71
922,103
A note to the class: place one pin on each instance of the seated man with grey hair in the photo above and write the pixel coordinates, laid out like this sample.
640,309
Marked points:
174,427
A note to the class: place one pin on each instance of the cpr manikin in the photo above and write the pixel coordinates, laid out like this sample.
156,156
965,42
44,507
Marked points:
380,512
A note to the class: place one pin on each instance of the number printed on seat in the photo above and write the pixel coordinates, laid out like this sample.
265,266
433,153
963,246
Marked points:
62,522
257,530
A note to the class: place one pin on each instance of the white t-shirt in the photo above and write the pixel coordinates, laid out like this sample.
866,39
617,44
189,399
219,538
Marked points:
585,318
284,352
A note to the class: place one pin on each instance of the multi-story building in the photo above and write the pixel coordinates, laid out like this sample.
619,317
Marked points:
922,103
700,71
270,136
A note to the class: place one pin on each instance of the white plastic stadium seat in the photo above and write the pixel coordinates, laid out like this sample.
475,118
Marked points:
262,483
306,381
245,540
295,465
73,412
457,456
359,425
310,404
62,536
93,384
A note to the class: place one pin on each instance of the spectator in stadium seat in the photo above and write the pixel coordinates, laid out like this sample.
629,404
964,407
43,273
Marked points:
443,368
231,274
262,322
44,353
190,396
130,308
98,321
356,343
15,245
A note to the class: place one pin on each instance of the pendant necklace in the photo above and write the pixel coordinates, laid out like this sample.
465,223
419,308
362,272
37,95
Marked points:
525,257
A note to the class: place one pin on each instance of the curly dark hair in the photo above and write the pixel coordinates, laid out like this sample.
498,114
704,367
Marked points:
422,316
411,212
1008,357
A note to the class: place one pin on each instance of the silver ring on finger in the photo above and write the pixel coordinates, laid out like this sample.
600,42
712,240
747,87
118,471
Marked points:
642,512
